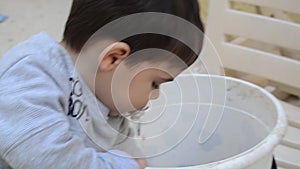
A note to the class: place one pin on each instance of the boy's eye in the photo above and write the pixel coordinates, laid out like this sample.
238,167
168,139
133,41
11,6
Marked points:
155,85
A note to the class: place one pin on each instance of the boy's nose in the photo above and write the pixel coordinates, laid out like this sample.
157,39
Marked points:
154,94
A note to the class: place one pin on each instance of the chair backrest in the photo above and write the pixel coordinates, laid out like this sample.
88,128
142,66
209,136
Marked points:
226,24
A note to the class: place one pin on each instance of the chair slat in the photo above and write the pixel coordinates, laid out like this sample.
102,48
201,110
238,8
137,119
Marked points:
261,63
290,5
287,157
261,28
287,153
293,114
292,137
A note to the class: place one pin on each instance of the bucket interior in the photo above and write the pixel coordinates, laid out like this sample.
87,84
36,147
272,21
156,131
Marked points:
200,120
176,143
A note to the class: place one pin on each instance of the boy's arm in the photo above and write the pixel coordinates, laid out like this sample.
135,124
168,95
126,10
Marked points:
34,131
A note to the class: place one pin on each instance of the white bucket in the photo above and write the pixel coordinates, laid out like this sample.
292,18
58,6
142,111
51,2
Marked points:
204,121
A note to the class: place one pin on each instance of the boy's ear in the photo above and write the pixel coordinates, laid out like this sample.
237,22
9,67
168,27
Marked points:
113,55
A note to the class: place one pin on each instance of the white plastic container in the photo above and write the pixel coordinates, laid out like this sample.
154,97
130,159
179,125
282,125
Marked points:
204,121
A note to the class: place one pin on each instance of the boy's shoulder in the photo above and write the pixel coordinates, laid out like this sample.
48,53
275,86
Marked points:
39,50
32,46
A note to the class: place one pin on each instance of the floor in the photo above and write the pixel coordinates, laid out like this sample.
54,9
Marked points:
26,18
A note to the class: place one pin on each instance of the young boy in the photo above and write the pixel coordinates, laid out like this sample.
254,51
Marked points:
61,104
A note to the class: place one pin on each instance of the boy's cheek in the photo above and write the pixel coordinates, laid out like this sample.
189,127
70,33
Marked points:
139,98
123,102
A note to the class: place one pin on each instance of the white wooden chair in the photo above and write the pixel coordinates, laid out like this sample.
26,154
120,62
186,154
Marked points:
281,72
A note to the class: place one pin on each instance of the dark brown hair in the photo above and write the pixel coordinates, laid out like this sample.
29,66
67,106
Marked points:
88,16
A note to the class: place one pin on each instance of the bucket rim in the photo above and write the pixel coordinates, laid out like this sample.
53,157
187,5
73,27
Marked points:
257,152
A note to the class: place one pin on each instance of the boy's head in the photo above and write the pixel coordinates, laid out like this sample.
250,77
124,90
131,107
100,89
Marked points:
131,69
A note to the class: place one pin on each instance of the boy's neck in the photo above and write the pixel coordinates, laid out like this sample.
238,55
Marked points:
71,52
83,66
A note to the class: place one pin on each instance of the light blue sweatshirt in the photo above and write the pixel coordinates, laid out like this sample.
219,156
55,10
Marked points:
49,118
